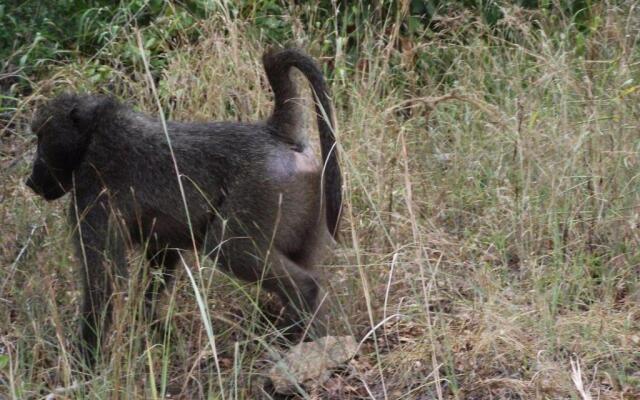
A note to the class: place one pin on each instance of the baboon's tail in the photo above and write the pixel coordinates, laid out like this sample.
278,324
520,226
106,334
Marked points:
288,124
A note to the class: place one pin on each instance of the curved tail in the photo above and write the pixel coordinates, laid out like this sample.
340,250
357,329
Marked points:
287,119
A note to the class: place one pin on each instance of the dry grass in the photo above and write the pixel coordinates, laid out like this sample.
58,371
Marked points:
490,235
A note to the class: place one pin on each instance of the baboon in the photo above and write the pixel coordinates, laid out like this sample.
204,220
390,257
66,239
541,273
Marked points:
257,199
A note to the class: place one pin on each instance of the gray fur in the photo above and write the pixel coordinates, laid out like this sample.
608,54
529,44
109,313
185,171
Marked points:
254,190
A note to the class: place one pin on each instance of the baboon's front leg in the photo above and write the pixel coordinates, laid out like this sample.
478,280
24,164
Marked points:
99,247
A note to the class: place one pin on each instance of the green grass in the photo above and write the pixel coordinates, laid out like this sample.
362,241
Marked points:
494,230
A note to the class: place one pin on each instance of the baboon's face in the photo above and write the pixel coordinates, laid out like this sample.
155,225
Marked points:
61,146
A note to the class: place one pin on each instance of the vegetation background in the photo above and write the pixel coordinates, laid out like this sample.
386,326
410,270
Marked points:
490,234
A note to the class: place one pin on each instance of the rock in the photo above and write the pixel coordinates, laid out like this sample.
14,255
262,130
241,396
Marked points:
311,362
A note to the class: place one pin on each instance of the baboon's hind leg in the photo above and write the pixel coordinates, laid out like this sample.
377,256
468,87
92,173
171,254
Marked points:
164,261
255,260
300,293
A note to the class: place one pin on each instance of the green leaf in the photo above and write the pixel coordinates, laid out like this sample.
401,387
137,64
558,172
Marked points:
4,361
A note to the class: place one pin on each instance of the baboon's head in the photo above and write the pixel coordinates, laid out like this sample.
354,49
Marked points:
63,127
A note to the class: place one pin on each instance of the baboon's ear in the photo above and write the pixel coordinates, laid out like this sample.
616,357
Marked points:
83,115
79,116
